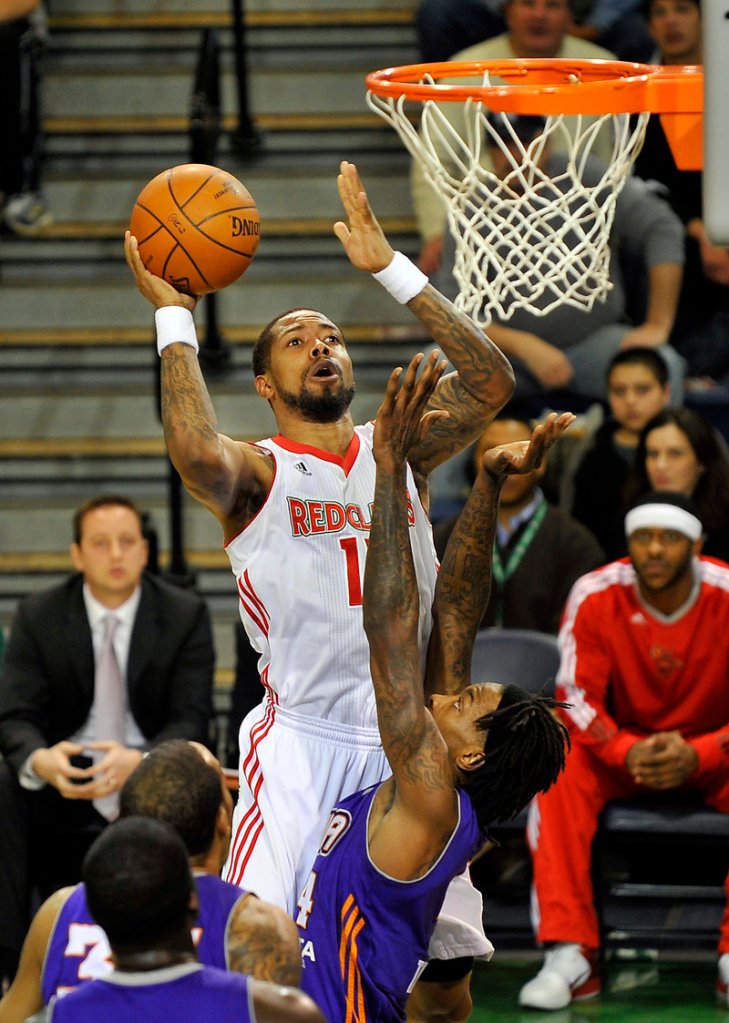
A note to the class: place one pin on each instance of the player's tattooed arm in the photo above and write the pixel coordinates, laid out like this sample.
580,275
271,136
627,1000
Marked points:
216,470
464,580
263,942
480,387
391,598
462,589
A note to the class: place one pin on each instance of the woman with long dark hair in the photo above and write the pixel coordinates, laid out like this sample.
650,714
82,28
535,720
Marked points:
679,450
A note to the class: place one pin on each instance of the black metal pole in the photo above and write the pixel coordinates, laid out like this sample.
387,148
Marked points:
204,135
246,139
214,354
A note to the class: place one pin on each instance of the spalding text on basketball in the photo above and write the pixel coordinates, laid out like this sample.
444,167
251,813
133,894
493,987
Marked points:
240,225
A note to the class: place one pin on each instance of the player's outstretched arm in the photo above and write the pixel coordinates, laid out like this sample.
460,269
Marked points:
263,942
216,470
24,997
424,801
464,580
484,379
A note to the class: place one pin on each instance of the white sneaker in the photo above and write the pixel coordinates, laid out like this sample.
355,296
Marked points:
722,980
568,975
26,214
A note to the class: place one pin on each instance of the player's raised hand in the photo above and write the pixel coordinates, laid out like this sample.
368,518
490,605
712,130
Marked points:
524,456
153,288
362,237
403,420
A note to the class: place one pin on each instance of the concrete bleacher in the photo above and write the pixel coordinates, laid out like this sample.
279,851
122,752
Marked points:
78,396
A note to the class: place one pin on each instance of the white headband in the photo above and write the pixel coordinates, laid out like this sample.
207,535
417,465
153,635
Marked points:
663,516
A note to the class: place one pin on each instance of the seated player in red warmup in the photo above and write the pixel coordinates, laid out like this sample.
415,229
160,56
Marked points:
645,673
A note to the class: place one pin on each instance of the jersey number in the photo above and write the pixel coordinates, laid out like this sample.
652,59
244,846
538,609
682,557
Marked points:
350,546
306,901
89,941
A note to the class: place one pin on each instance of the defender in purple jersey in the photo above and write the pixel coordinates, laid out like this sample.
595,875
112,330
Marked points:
475,754
141,892
181,784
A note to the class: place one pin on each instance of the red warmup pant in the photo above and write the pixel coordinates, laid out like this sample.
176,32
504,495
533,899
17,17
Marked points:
560,831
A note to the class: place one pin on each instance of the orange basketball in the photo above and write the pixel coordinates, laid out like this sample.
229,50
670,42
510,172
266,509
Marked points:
198,227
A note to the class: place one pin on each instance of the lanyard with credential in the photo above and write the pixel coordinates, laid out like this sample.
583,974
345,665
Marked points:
502,573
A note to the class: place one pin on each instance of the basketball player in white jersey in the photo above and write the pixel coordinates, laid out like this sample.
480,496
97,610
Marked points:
295,511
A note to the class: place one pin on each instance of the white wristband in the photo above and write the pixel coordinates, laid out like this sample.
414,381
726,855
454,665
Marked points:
175,324
401,278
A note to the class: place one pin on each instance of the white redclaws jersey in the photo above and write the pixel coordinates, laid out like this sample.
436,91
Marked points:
299,566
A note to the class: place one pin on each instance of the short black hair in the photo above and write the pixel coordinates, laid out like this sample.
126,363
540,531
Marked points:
648,6
174,784
138,883
673,497
525,746
647,357
102,501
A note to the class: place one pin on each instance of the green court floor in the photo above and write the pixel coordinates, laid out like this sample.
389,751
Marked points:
665,991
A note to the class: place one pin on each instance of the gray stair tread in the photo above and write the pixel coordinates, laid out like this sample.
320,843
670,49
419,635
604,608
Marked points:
253,8
289,204
110,298
110,337
97,93
220,15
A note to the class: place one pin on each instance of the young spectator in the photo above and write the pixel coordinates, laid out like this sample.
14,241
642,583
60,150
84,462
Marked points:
647,690
539,549
701,328
181,784
637,389
679,450
141,892
102,667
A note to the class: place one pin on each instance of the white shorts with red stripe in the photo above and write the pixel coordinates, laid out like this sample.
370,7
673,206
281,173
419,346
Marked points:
293,769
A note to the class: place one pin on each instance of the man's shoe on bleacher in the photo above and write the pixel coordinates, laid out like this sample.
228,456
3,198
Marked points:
568,975
26,214
722,980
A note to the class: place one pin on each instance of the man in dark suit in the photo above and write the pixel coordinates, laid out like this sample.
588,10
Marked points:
97,670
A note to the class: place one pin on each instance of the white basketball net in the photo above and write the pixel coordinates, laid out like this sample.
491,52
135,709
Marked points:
528,240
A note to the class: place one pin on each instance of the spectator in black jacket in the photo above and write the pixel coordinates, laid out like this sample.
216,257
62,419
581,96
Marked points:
111,627
539,550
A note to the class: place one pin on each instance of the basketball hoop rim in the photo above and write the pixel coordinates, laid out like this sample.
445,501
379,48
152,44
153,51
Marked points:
544,86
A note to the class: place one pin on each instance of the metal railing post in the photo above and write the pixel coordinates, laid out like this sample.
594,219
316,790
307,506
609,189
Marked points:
246,139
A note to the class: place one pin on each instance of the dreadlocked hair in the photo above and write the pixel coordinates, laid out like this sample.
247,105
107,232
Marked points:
525,747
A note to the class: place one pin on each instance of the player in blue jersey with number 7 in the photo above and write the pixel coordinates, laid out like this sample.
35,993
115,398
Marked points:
141,892
462,755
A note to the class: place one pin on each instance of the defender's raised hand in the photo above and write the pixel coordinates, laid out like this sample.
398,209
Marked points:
362,237
524,456
402,420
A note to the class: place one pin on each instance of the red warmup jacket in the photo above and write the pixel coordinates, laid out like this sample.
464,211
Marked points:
629,671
